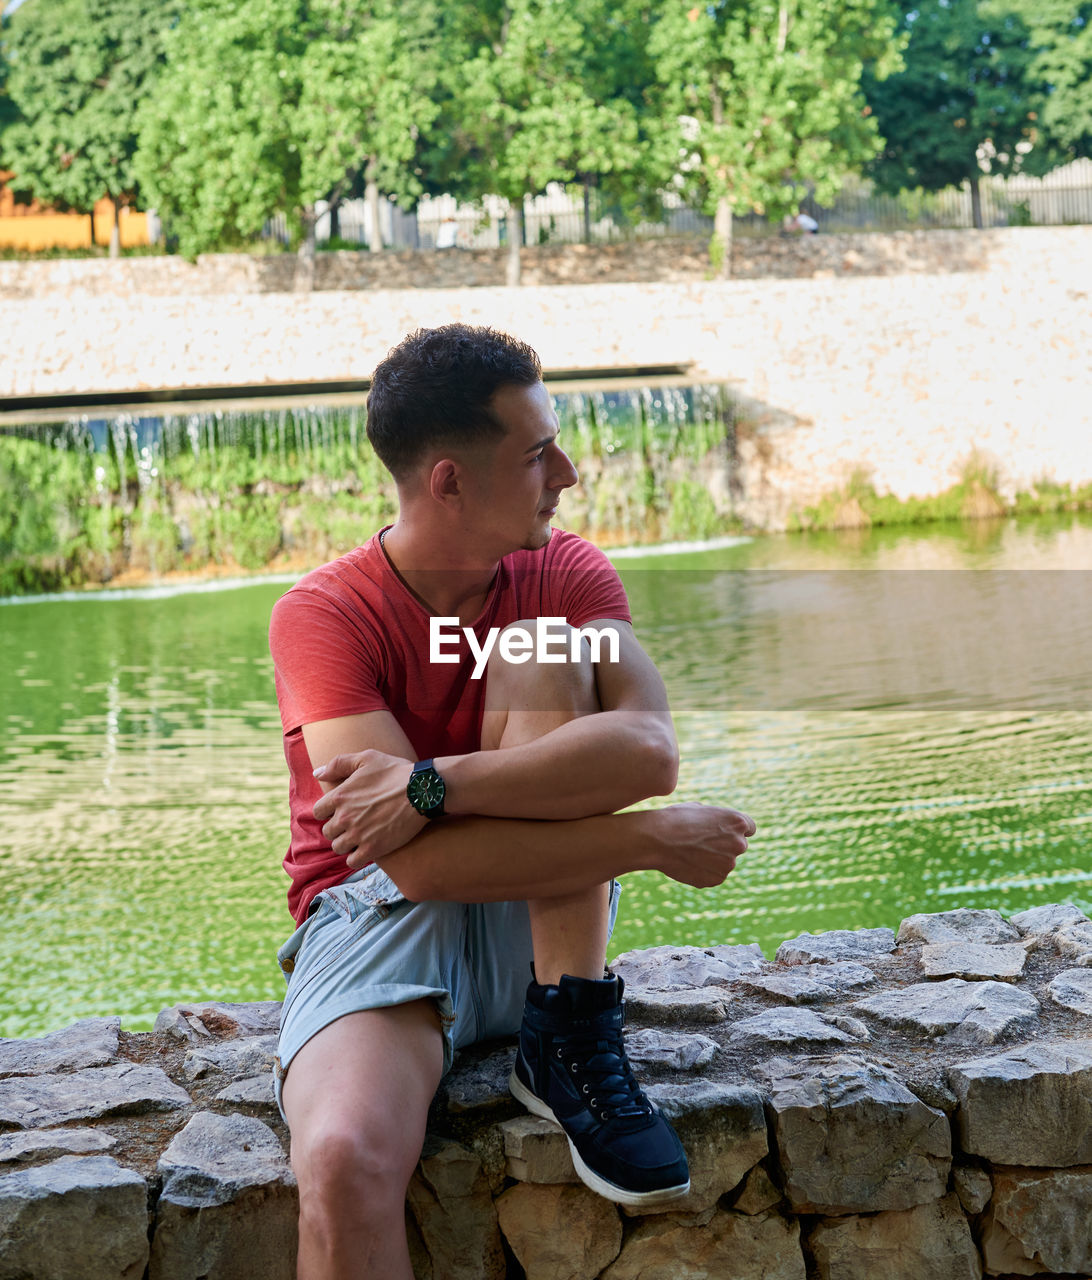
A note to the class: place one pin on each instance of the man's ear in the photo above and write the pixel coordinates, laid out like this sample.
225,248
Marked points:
446,482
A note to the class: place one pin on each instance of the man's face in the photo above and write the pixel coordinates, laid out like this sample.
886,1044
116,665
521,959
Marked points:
520,480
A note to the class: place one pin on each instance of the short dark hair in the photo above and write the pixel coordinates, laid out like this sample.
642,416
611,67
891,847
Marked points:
434,389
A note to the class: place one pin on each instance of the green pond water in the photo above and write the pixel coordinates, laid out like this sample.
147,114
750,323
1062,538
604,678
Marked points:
906,715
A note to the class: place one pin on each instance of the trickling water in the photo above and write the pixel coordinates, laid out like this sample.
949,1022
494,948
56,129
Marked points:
136,493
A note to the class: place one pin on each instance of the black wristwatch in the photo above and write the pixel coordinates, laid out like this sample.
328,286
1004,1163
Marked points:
425,790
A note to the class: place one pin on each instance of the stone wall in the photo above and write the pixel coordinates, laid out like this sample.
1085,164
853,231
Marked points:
974,353
866,1107
669,259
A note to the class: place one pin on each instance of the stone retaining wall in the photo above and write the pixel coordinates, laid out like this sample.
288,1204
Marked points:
866,1107
978,360
669,259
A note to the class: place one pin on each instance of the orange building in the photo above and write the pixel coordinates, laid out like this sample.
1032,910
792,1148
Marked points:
35,226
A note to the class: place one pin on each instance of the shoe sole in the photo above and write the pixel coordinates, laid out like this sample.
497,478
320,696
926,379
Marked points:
608,1190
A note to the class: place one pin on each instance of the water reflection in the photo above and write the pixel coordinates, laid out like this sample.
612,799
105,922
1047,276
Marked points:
907,741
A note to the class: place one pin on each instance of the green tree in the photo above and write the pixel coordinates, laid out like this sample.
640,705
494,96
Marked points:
369,78
79,70
967,96
762,98
1060,33
7,107
537,99
268,106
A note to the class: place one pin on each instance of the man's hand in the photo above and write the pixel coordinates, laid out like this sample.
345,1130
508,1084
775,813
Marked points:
366,814
701,842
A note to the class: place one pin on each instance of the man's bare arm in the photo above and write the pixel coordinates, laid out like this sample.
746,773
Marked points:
496,859
506,859
594,764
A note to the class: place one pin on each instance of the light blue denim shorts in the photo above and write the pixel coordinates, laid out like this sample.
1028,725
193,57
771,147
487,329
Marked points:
364,946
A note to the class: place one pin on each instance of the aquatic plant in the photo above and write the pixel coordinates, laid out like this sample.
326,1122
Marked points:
88,500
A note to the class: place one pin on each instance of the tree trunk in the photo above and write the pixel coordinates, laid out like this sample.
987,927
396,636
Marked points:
371,197
335,220
515,242
587,210
722,234
304,281
91,215
976,203
115,230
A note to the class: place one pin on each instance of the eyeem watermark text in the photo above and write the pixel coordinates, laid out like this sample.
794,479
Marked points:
552,640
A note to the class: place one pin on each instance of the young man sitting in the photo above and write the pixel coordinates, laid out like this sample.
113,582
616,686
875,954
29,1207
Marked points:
454,807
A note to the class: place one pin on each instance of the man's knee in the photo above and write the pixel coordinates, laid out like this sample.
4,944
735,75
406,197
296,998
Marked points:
349,1167
542,665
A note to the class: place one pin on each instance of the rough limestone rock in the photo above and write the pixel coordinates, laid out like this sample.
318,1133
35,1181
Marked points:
727,1245
928,1242
705,1005
195,1022
685,984
228,1207
781,1027
851,1026
974,961
420,1262
853,1139
46,1144
454,1211
1030,1106
1074,941
1039,1220
253,1091
962,1012
678,1050
962,925
537,1150
722,1127
809,983
183,1026
682,968
1041,921
759,1193
125,1089
839,944
972,1186
1073,990
560,1232
236,1058
90,1043
478,1086
77,1218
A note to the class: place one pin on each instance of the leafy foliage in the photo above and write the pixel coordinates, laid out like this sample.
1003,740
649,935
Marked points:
762,97
544,91
533,109
78,71
369,75
1060,33
217,151
968,86
269,106
7,107
222,113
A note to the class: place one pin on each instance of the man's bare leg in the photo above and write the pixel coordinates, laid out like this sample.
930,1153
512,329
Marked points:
570,1062
524,702
357,1097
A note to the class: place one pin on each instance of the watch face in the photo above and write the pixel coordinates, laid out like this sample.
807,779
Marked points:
426,790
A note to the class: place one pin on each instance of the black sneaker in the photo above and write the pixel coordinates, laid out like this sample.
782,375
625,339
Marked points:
571,1067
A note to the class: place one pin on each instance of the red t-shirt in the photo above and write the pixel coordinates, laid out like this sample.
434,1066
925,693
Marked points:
350,637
